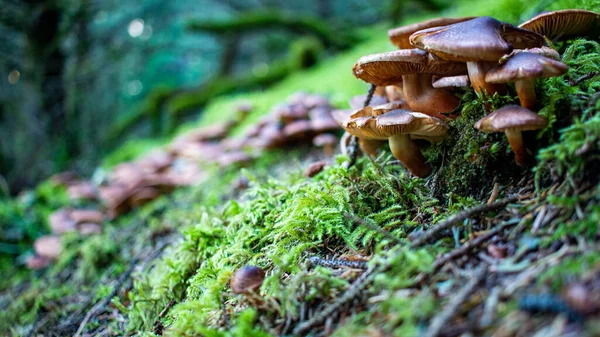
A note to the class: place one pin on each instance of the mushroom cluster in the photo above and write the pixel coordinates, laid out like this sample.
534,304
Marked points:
413,97
304,119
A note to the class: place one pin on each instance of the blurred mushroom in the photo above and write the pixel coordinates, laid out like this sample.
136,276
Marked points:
48,246
298,131
397,126
314,168
415,67
142,196
480,42
155,161
114,197
37,262
233,158
89,228
327,141
82,190
86,215
523,69
60,221
400,36
564,24
512,120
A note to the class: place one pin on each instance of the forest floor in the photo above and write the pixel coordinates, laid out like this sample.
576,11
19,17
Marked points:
481,247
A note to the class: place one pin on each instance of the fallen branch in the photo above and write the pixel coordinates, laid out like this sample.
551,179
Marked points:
465,249
439,321
422,237
362,222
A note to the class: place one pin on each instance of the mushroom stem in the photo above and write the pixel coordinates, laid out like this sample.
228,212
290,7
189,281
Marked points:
477,72
370,146
423,97
526,91
409,154
515,139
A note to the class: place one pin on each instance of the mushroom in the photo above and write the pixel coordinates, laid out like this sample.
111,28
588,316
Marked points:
87,215
327,141
480,42
60,221
394,92
247,281
48,246
512,120
523,69
564,23
459,81
400,36
415,67
397,126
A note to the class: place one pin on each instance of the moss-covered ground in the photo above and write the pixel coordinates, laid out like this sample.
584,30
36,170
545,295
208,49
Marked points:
164,269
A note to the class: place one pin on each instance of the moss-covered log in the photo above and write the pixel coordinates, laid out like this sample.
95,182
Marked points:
260,20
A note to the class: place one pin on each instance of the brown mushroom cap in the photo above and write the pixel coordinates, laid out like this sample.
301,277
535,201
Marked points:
480,39
396,122
60,221
459,81
563,23
388,68
511,117
247,279
525,65
48,246
512,120
87,215
325,139
400,36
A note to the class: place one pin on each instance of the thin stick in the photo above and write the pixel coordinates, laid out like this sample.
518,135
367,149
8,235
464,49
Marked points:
372,226
465,249
359,285
423,237
353,146
439,321
337,263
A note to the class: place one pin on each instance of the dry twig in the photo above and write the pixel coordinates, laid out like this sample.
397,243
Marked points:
353,147
423,237
439,321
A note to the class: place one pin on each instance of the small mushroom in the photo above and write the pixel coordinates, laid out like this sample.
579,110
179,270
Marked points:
512,120
247,281
397,126
480,42
564,24
48,246
327,141
415,68
87,215
523,69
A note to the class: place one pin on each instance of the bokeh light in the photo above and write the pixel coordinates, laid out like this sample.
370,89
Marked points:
14,76
260,69
136,27
135,87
